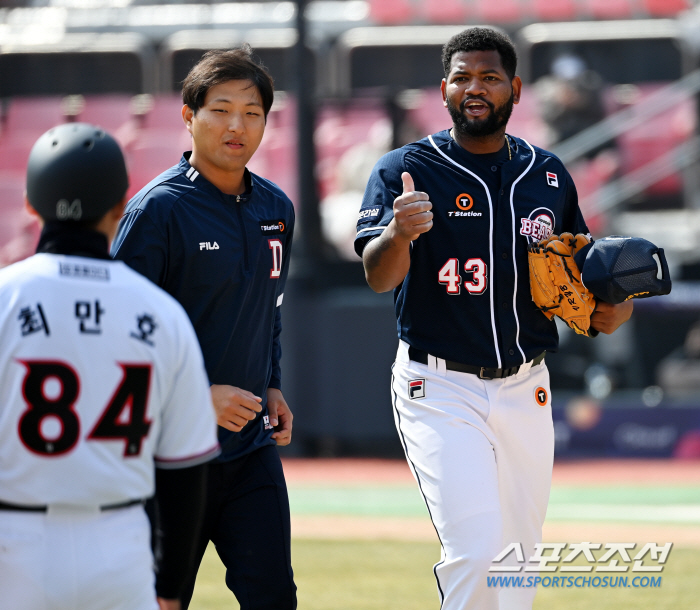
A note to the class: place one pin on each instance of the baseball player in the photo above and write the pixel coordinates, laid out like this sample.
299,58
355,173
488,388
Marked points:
218,239
101,377
445,222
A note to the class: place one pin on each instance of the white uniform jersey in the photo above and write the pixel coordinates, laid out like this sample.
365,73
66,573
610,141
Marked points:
101,376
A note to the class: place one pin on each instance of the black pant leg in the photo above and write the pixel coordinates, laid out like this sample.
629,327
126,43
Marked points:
213,506
253,532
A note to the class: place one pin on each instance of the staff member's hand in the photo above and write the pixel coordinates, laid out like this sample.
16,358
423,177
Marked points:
280,416
234,407
412,211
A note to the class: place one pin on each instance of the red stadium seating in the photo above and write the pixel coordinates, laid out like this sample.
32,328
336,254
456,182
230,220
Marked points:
665,8
611,9
19,232
554,10
110,112
500,11
33,114
444,11
656,137
391,12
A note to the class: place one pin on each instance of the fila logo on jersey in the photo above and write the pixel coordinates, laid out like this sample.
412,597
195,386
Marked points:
205,245
464,202
416,388
541,396
539,225
552,179
272,227
266,422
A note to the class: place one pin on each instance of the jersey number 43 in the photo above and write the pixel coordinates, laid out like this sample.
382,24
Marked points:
124,418
450,277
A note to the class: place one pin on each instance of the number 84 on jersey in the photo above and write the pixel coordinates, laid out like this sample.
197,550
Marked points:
476,270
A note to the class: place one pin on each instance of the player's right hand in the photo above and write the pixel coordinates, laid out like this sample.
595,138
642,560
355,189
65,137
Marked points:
412,211
234,407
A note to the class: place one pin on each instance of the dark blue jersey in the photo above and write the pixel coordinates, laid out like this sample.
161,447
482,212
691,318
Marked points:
225,259
466,296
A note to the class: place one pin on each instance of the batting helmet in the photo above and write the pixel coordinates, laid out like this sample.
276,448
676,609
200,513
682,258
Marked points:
76,172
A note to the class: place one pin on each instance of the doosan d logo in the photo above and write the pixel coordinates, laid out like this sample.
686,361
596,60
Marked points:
539,225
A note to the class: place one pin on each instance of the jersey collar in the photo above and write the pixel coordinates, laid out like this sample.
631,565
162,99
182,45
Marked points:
196,178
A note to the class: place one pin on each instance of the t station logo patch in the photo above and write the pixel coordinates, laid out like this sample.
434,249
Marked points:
416,388
272,227
464,203
539,225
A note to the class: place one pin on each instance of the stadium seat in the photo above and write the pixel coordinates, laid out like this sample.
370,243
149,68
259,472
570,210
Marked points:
19,231
610,9
165,113
391,12
444,11
500,11
110,112
665,8
656,137
554,10
28,117
14,152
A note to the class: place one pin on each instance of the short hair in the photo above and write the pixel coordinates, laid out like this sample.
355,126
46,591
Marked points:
220,66
481,39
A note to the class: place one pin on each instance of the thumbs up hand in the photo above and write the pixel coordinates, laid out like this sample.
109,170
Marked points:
412,211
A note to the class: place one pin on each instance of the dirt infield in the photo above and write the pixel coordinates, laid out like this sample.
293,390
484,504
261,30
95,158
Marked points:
351,472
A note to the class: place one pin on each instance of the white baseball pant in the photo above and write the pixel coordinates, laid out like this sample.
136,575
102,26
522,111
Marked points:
482,454
76,559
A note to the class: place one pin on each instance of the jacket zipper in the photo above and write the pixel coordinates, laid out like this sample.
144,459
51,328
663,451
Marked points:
246,258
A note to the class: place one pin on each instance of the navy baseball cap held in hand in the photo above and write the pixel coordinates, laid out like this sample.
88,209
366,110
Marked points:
618,268
76,172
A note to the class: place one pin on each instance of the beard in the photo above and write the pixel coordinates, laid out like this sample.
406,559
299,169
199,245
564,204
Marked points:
478,127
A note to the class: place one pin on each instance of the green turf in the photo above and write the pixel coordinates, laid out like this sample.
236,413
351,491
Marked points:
614,504
357,575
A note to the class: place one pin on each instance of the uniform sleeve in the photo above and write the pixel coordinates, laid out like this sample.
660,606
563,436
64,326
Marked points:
142,245
573,221
377,208
188,424
276,377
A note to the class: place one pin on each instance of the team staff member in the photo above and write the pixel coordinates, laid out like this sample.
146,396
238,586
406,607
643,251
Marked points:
101,377
218,238
445,222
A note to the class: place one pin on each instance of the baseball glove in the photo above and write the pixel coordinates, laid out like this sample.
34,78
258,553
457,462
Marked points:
555,281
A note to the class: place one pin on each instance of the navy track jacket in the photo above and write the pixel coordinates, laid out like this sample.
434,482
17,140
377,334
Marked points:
225,258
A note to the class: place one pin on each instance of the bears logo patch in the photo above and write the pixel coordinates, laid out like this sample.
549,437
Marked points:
539,225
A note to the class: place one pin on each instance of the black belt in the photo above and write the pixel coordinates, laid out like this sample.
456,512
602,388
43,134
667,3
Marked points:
44,508
482,372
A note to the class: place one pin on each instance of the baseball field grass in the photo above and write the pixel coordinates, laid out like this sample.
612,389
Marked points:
362,540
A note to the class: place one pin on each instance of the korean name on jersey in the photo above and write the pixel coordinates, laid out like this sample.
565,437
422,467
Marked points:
103,375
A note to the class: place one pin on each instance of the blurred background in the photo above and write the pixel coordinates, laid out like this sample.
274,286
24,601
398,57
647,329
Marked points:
611,86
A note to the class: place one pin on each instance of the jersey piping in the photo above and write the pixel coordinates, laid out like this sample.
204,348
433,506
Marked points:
515,264
491,267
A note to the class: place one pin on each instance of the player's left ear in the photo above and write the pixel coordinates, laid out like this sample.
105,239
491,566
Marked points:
517,86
